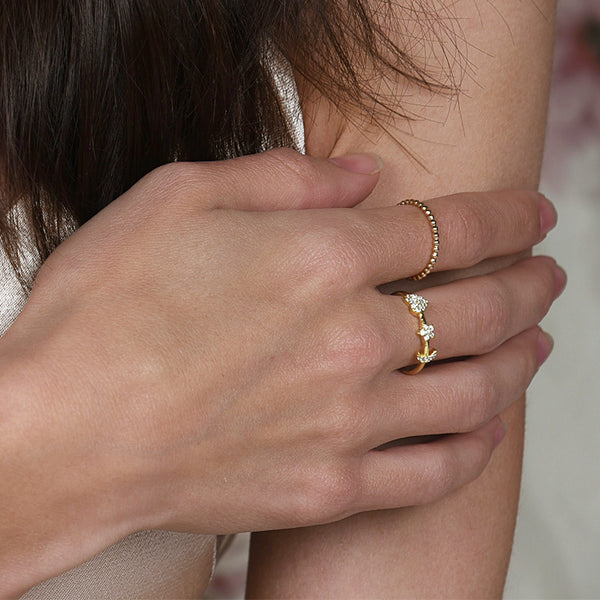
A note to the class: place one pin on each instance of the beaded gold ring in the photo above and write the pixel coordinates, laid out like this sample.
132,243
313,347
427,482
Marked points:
436,238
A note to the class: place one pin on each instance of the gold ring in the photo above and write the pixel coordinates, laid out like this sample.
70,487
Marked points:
436,238
417,305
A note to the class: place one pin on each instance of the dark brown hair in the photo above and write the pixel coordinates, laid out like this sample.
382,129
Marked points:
96,93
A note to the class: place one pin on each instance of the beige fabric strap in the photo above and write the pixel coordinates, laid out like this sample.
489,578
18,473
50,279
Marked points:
149,564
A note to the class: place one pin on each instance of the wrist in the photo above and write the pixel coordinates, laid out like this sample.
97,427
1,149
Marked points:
63,497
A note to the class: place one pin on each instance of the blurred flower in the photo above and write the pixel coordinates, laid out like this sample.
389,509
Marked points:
574,118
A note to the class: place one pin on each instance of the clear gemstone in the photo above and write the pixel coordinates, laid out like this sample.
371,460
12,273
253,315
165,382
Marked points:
426,358
427,332
417,303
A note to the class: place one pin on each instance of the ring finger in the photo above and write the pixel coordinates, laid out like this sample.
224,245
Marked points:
476,315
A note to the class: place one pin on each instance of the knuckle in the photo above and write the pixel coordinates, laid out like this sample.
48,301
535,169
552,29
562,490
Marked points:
345,425
438,479
66,274
526,361
358,348
480,398
332,493
476,455
546,293
325,254
57,273
287,159
170,175
300,173
526,216
493,315
471,233
183,184
171,180
454,467
329,258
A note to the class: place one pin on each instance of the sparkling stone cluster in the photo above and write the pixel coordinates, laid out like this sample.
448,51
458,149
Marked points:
426,357
417,303
427,332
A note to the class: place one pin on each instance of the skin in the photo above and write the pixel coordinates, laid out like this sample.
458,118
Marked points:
150,389
492,138
137,396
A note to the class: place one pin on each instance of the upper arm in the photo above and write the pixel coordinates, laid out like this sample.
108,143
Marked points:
489,135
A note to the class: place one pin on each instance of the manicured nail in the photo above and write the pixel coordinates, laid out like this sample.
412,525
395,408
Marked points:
500,433
544,347
560,281
366,164
548,215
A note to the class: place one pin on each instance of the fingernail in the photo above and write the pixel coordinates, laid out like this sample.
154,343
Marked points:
548,216
544,347
366,164
500,433
560,281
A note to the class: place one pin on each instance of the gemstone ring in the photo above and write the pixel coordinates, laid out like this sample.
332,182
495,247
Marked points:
417,305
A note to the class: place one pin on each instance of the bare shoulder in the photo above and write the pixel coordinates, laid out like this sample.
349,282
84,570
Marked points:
482,128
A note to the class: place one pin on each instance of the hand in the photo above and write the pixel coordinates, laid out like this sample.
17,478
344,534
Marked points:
204,356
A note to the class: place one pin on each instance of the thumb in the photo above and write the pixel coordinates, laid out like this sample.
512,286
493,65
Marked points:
284,179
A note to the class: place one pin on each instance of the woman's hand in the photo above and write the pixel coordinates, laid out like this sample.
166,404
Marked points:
203,356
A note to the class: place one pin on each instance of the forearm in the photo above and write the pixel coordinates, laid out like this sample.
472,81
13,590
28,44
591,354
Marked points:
492,137
456,548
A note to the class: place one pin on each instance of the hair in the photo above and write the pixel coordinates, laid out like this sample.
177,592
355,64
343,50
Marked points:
96,93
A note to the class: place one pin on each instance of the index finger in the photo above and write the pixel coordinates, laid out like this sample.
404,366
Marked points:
471,226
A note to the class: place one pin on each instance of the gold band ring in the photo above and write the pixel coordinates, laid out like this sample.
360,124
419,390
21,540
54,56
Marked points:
436,238
417,305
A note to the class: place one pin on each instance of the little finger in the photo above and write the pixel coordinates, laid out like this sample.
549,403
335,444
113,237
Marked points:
423,473
457,396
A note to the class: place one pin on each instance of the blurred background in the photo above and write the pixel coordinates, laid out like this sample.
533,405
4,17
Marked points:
557,544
